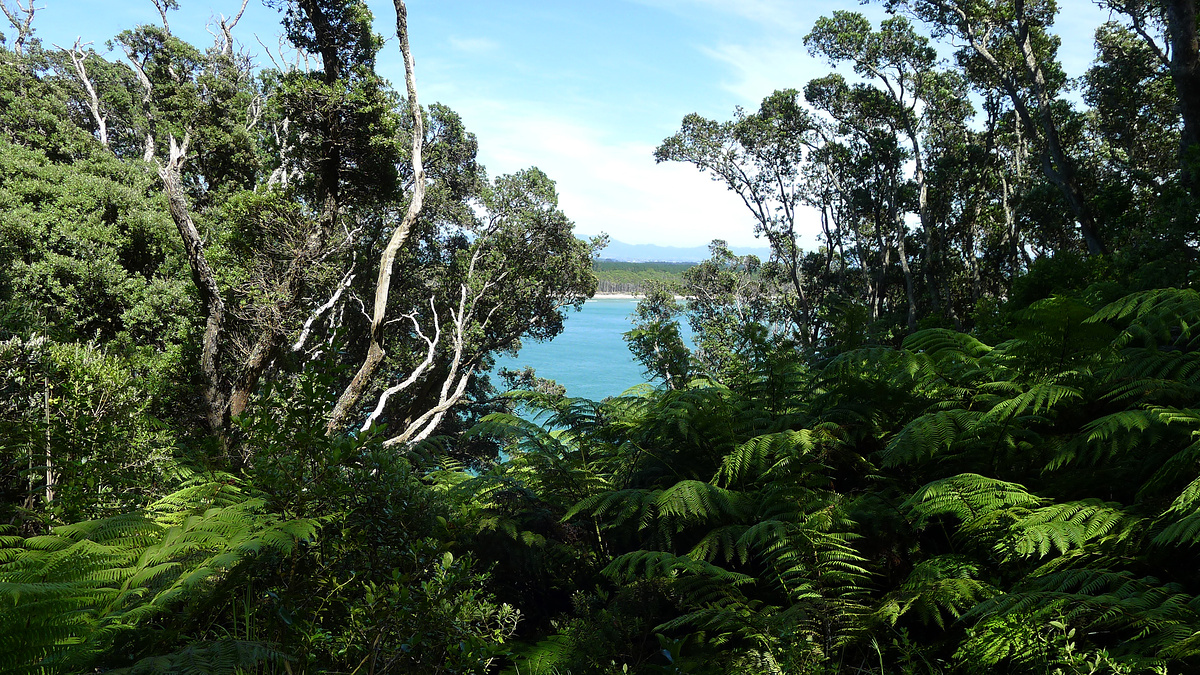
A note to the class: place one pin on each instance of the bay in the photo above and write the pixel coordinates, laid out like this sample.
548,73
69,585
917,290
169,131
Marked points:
590,357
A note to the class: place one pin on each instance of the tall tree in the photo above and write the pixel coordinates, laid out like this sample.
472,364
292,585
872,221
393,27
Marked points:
1009,41
903,63
759,157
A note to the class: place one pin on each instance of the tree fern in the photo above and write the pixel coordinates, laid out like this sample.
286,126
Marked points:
65,596
1165,316
937,588
1066,526
1037,398
697,501
928,435
772,454
208,658
970,498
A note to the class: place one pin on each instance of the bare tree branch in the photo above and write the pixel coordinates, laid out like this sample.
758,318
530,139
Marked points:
21,18
226,27
453,388
163,6
147,102
78,57
211,300
431,352
316,314
375,353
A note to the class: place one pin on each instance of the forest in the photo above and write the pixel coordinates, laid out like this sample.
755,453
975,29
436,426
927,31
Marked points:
249,315
613,276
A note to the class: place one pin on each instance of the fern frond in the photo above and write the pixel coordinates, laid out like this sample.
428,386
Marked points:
771,452
618,506
697,501
939,342
218,657
928,435
936,588
1068,525
1039,397
968,497
642,564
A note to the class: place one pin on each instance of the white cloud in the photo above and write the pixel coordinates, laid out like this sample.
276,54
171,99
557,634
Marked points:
760,68
608,185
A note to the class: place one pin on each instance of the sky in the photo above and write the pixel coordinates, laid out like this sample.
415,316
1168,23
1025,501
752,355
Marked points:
583,89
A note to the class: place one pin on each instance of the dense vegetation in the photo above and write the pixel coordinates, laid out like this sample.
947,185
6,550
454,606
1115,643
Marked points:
246,316
614,276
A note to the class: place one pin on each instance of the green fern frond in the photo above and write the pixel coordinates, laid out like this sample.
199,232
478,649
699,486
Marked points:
944,344
1066,526
936,588
1165,316
697,501
542,658
642,564
1039,397
968,497
66,595
766,456
928,435
219,657
618,506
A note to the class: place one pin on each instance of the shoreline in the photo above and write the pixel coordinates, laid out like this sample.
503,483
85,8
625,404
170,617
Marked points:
626,296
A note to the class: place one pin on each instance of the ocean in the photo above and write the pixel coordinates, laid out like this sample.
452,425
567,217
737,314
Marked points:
589,357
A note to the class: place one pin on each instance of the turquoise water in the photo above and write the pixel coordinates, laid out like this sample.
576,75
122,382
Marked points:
589,358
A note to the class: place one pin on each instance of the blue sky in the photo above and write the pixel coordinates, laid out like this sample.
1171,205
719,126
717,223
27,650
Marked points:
583,89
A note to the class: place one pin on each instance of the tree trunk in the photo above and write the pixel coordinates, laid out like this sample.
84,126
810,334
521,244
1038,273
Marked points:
1056,165
50,482
375,353
1185,72
909,291
927,228
211,302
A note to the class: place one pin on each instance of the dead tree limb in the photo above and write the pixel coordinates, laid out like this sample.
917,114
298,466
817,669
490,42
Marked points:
21,18
375,353
211,301
225,42
78,60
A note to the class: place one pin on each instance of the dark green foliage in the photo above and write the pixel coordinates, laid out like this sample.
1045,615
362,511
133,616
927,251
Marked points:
71,595
960,447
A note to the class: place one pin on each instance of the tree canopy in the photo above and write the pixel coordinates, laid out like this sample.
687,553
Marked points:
249,319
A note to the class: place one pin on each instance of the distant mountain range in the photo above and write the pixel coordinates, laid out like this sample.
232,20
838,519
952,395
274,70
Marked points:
619,250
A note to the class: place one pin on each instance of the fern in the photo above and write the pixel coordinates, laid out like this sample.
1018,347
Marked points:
65,596
690,500
969,497
641,564
1067,526
763,457
927,436
219,656
1166,316
936,588
1039,397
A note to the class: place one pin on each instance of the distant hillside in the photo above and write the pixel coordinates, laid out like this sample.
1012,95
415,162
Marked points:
631,277
619,250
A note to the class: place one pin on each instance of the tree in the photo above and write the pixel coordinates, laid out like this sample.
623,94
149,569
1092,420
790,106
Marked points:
903,62
759,156
335,173
1009,42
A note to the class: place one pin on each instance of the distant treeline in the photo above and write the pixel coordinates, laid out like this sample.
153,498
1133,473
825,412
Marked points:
631,277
